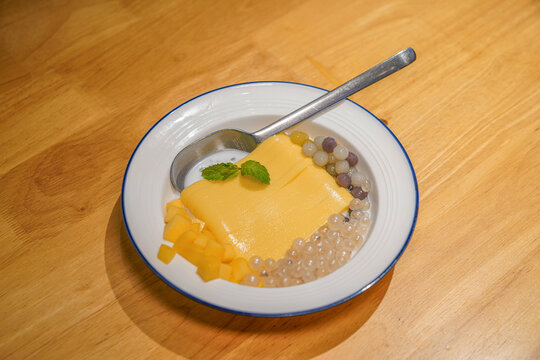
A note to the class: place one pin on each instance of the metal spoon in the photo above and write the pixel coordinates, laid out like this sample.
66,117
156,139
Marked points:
240,140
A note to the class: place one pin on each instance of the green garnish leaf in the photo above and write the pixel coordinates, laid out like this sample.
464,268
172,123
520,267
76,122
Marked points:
255,169
221,171
224,171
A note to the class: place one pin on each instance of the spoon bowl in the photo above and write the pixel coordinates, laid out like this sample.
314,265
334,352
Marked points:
216,141
240,140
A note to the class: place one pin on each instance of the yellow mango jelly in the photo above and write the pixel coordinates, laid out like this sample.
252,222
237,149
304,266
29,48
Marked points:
261,219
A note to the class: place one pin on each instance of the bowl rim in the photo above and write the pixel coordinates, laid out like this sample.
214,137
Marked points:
287,314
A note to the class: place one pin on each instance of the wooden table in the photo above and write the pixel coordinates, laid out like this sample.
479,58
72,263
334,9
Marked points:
82,81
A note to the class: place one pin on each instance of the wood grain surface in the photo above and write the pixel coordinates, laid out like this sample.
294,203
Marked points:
82,81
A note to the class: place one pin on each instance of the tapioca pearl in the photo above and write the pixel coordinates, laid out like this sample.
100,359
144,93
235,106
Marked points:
355,204
285,281
357,178
365,205
318,142
366,185
308,276
331,169
341,152
327,244
319,247
329,144
316,239
333,235
320,261
343,180
357,214
320,158
352,170
309,264
309,149
331,159
334,221
293,253
352,159
270,264
330,254
250,280
285,262
298,243
358,238
342,167
308,249
358,193
322,272
344,253
279,272
361,229
256,263
269,282
348,244
338,242
365,220
323,230
299,137
342,225
318,244
358,230
297,270
341,260
333,264
348,229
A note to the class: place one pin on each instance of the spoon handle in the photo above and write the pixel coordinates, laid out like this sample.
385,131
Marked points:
376,73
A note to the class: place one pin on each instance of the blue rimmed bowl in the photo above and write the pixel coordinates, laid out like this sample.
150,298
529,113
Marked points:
251,106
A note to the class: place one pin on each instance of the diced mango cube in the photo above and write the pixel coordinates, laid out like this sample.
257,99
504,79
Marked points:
225,271
166,253
215,249
181,246
208,268
173,211
176,227
198,222
195,227
229,253
201,240
207,232
193,257
177,203
240,268
187,236
189,251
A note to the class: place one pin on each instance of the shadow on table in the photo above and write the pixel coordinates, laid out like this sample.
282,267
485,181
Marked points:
194,330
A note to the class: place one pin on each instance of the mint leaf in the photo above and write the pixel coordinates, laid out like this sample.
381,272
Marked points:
224,171
221,171
255,169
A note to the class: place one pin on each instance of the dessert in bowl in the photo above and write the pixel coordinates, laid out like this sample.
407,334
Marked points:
393,194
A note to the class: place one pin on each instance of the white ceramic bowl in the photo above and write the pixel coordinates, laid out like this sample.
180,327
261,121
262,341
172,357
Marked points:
250,106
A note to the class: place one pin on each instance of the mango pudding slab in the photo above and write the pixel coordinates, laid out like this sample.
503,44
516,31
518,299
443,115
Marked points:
263,220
